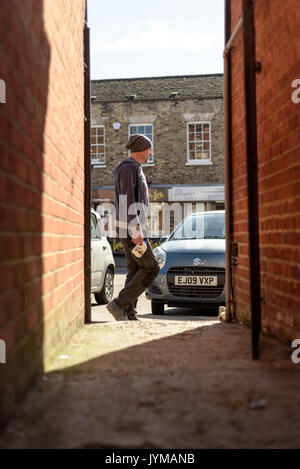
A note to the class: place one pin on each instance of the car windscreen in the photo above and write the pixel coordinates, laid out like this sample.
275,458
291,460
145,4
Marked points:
201,226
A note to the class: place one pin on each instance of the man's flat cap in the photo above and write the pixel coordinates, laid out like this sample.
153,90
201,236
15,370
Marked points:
138,142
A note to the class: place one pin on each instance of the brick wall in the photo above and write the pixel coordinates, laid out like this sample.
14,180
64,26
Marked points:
240,200
41,186
278,126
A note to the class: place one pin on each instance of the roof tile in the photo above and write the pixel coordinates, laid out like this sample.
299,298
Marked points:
186,86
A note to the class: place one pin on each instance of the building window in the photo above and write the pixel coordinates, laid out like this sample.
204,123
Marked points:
145,129
198,143
97,145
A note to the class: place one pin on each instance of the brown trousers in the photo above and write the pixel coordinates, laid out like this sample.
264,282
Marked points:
141,271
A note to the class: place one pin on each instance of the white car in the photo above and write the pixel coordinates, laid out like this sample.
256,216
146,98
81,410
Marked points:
102,262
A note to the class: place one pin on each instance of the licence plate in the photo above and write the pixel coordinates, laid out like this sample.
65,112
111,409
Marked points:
196,280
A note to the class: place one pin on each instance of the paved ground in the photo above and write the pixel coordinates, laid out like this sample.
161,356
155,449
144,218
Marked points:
175,381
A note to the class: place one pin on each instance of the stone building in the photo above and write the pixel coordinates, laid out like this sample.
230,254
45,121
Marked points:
183,116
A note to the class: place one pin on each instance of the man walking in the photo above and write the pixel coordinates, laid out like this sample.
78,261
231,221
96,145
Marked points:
131,202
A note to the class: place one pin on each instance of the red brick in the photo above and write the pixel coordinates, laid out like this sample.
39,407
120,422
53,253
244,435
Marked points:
278,46
8,334
37,162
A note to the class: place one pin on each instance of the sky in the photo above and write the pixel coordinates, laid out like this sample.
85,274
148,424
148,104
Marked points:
131,39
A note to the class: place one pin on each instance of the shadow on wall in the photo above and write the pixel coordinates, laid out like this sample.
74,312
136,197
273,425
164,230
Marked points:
24,58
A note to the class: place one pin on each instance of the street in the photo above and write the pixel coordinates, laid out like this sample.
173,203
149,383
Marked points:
100,313
174,381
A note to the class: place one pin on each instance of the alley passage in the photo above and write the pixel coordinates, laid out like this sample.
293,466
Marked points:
174,381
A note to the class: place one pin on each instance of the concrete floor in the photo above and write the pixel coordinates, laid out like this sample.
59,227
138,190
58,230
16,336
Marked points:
182,380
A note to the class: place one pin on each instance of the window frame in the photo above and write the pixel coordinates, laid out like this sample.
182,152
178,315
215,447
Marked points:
98,164
152,163
195,162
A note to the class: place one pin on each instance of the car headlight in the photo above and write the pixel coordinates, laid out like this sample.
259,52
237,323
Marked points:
160,256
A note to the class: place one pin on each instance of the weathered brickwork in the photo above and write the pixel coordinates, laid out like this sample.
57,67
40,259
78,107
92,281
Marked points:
41,186
278,127
199,98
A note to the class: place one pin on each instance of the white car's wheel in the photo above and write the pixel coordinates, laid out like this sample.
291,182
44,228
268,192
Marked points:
107,292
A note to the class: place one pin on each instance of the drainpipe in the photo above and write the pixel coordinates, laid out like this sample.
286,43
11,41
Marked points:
250,69
229,41
87,174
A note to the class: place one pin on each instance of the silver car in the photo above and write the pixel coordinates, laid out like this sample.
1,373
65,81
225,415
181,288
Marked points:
102,262
192,264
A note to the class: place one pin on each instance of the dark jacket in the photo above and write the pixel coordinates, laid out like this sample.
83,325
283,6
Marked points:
130,181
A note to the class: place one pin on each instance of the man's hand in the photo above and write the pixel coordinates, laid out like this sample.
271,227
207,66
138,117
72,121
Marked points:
138,240
138,237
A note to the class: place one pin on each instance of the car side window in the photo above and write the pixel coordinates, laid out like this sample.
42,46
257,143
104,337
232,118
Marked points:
101,228
94,228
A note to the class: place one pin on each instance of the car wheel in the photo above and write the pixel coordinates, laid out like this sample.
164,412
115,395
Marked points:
157,307
107,292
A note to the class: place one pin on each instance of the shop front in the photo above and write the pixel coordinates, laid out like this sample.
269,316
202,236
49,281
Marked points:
168,205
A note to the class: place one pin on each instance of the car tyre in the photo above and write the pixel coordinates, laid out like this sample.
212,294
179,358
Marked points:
157,307
107,292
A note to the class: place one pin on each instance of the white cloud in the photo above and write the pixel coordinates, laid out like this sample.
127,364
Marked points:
155,35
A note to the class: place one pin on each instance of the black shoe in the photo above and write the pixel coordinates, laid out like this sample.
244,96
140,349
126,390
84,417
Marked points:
130,314
117,311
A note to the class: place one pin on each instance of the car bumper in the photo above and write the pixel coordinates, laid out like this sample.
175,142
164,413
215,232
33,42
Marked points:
163,288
